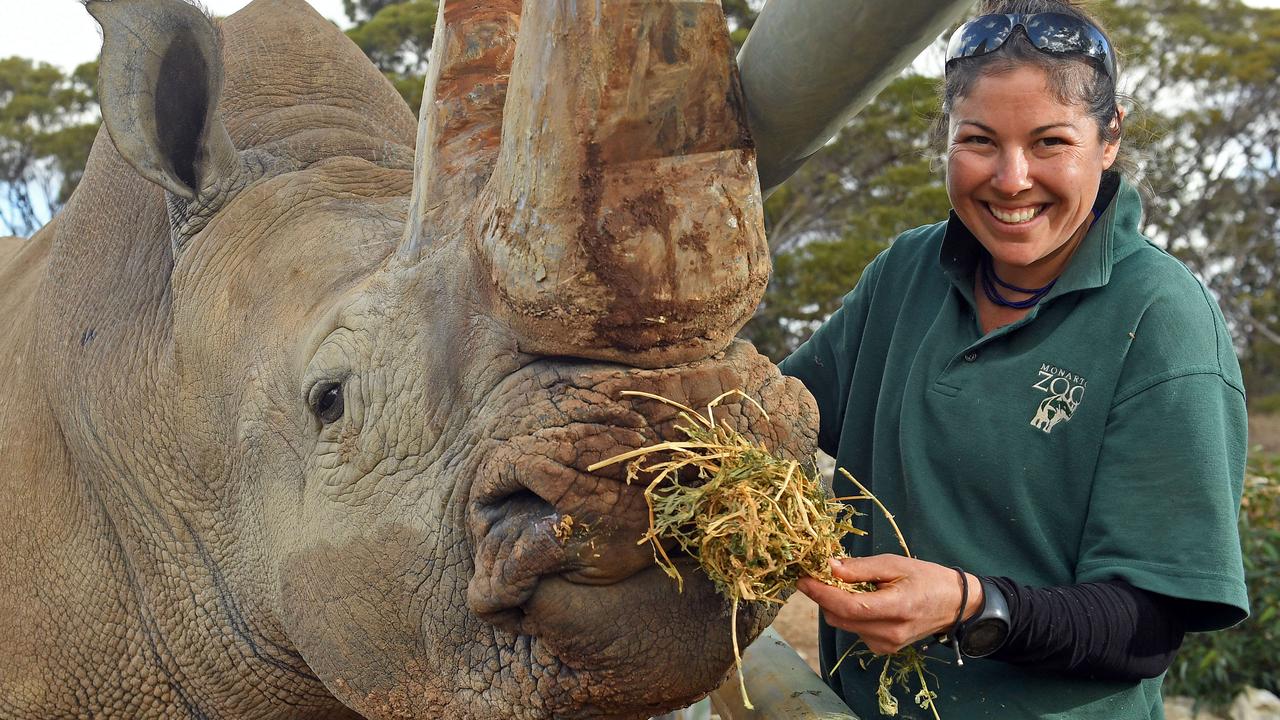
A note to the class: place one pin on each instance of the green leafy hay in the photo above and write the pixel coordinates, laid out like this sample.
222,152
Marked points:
755,522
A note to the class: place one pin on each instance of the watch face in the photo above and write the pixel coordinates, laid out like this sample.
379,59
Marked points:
984,637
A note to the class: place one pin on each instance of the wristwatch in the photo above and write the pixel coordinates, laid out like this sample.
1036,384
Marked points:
985,633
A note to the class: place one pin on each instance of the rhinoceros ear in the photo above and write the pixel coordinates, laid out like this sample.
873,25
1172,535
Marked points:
160,79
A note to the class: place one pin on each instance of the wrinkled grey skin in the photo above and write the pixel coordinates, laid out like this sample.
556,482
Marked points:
184,536
192,531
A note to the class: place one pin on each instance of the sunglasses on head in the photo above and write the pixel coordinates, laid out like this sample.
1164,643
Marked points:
1049,32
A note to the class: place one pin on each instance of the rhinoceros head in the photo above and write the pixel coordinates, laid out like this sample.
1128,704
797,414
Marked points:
379,381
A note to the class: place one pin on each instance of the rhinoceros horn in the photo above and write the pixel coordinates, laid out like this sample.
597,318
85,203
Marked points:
460,123
617,211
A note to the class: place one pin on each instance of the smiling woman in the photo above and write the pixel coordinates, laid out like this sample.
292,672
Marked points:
1023,171
1027,384
1008,138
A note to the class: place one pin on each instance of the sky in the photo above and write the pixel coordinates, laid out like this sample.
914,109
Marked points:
62,33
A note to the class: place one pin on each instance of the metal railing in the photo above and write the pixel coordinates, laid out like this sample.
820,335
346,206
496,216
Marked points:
780,684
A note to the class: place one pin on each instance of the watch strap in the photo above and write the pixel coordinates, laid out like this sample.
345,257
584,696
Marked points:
995,609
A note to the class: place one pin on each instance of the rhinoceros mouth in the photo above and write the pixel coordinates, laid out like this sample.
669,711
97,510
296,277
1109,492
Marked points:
535,514
557,557
539,519
534,510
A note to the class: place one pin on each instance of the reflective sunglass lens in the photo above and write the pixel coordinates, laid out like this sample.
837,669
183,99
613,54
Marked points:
979,37
1055,33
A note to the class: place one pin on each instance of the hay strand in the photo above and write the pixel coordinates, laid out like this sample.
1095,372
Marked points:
755,522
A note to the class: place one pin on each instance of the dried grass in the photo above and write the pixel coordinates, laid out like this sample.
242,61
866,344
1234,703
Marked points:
755,522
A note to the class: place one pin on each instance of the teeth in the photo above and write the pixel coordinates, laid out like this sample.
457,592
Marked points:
1017,216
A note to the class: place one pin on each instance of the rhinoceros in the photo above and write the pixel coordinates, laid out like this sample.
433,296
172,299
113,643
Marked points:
300,392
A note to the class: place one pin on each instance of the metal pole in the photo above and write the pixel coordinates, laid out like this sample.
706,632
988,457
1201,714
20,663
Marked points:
808,66
780,685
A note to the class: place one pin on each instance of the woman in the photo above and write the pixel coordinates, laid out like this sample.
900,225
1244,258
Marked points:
1049,404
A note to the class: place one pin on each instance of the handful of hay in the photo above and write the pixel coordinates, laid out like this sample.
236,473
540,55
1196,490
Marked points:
755,522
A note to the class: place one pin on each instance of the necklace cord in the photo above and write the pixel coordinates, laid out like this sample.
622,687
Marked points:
992,282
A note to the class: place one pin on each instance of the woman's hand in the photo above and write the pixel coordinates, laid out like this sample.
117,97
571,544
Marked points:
914,600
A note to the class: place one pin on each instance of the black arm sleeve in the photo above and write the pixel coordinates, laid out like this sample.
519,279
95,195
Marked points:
1104,630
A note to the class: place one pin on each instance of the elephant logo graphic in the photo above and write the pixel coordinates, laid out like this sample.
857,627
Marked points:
1064,391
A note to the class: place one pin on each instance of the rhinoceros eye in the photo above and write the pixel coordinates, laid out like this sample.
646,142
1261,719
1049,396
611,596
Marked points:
327,403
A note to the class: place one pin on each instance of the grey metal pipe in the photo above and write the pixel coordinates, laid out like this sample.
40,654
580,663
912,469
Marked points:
808,66
781,686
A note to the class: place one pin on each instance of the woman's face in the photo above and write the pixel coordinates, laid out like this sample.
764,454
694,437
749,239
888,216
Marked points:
1023,171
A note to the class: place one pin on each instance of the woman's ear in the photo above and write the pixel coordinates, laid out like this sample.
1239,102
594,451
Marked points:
160,80
1112,148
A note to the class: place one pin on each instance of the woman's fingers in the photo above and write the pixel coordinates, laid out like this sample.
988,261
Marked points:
913,600
837,602
853,606
857,613
876,568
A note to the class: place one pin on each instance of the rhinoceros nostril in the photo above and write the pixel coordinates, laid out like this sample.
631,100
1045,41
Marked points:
523,502
517,513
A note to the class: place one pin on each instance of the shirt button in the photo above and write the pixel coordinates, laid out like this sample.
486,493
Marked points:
970,357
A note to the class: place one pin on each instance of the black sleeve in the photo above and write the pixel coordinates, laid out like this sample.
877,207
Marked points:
1103,631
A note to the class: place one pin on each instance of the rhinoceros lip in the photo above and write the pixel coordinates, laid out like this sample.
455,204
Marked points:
524,539
530,582
516,549
533,517
533,476
635,627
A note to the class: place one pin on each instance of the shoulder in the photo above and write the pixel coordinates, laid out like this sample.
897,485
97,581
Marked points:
917,246
1178,328
1146,270
909,255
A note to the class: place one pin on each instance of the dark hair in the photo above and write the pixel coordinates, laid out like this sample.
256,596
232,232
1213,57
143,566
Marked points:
1072,80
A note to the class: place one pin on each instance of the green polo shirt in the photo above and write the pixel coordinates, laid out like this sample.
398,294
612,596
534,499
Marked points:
1100,437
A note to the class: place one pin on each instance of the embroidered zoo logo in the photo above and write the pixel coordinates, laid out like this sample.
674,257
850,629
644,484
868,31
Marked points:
1064,389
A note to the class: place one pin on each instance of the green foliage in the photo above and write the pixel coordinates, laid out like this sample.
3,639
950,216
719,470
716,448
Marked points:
1265,404
1215,667
397,38
396,35
845,206
410,88
47,124
741,15
360,10
1207,117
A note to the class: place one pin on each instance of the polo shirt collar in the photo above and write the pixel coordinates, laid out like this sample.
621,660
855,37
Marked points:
1090,267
